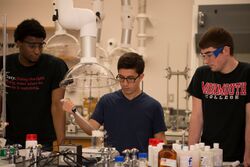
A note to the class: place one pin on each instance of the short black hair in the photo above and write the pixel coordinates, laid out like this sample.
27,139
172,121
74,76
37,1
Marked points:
29,27
131,60
217,37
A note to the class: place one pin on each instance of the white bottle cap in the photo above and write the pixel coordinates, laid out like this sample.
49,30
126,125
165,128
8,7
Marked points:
197,146
176,146
207,148
216,145
192,147
201,145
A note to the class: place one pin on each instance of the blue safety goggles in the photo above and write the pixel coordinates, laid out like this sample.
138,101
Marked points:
215,52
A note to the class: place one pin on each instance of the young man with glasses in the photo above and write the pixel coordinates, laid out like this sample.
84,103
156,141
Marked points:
221,98
129,115
33,95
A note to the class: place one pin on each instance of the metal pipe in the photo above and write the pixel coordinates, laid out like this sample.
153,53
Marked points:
177,73
88,48
125,2
142,18
3,114
126,37
177,101
127,23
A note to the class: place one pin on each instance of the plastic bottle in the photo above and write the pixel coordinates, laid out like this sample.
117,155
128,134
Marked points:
119,160
206,157
142,159
167,157
152,144
152,150
217,155
186,159
195,153
202,146
31,142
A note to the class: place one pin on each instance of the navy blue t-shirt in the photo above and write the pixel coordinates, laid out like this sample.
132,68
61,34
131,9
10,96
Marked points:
129,123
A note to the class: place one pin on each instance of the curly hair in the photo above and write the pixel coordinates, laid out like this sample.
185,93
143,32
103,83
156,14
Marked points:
29,27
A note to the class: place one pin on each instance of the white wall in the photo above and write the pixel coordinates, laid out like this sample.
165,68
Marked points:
17,10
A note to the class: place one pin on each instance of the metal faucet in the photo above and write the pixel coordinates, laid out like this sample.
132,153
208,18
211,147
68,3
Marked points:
127,162
134,160
16,152
106,157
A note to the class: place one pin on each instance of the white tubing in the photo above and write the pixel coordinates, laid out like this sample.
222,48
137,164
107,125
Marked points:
76,18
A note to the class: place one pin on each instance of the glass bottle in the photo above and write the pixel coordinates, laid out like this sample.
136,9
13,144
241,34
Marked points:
119,160
167,157
142,159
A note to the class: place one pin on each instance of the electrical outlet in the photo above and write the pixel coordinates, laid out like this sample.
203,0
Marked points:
75,149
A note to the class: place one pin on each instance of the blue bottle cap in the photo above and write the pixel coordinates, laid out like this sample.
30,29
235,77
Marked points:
142,155
119,158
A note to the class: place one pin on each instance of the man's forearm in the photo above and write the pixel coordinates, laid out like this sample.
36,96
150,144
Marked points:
58,115
247,137
196,122
83,123
194,134
59,125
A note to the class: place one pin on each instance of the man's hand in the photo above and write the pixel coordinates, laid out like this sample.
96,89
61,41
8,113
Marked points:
68,105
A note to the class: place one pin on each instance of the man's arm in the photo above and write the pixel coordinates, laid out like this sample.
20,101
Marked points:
58,114
86,125
247,137
196,122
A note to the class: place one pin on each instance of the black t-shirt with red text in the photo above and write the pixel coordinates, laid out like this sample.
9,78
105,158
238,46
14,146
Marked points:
28,98
224,98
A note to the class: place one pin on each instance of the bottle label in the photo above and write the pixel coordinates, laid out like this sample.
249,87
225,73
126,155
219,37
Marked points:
217,160
168,162
143,163
186,161
206,161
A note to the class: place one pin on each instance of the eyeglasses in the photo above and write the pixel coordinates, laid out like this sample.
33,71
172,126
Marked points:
34,45
215,52
129,79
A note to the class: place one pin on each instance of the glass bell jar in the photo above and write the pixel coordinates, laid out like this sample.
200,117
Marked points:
85,83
